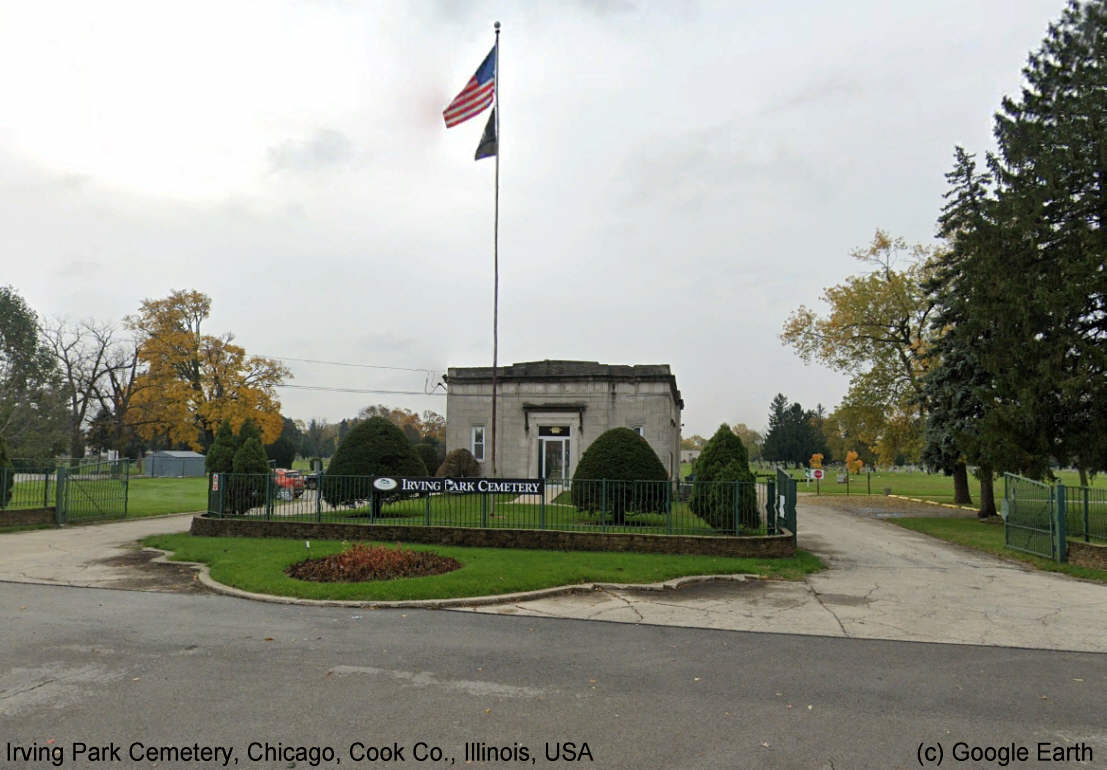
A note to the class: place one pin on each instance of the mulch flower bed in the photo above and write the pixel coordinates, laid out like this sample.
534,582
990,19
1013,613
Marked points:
361,562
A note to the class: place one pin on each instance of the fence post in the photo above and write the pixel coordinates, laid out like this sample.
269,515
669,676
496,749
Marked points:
126,484
318,496
669,507
46,488
737,505
770,507
4,486
484,509
1086,536
1062,525
427,516
59,496
268,495
542,507
603,505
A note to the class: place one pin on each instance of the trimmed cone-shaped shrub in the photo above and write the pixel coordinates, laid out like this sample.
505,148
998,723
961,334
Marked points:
715,494
249,479
7,476
374,447
220,457
428,454
459,463
621,457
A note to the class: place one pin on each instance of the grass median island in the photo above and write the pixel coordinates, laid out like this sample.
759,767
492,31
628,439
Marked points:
988,537
258,564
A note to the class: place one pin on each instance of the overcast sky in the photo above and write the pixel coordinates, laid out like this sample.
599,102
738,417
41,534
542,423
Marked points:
675,177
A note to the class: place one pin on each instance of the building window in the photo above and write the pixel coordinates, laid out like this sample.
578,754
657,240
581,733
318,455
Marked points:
639,429
476,445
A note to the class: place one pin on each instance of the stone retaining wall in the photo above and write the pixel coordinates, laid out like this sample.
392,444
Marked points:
1087,554
763,546
26,517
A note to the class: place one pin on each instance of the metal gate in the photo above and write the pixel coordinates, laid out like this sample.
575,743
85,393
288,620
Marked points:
1029,521
786,503
94,490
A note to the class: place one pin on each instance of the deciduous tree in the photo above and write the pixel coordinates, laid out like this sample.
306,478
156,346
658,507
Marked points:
33,420
878,331
193,381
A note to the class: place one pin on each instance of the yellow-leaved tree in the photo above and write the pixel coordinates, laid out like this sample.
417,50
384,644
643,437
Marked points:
878,330
193,381
854,464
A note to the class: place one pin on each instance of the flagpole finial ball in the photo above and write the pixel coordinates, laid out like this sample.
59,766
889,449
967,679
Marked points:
496,25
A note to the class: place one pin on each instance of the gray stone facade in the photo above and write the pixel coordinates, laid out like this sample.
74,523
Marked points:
549,412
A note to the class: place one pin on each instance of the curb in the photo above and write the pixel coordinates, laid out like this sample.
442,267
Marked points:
204,575
932,502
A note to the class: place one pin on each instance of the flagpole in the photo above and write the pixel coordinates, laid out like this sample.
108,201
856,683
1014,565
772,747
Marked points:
496,251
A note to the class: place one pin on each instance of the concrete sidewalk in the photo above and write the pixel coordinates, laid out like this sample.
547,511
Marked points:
883,582
96,555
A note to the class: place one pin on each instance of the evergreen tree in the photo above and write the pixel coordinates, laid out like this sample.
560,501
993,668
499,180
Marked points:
1022,293
372,447
247,486
220,456
723,462
621,457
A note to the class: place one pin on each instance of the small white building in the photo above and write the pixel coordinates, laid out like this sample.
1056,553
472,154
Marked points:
689,455
548,412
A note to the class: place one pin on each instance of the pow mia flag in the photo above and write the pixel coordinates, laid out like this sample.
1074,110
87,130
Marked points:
489,144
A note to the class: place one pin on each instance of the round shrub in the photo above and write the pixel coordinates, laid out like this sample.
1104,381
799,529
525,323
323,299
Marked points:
459,463
374,447
723,478
249,479
621,457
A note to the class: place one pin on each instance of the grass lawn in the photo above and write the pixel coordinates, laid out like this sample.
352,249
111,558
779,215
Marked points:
927,486
988,537
153,497
257,564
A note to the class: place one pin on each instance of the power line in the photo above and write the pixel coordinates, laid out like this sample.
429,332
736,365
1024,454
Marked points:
333,389
362,366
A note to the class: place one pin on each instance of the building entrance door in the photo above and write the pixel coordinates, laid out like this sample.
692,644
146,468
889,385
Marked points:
553,452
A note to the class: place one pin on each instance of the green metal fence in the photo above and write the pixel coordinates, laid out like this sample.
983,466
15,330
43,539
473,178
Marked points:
1030,523
1041,518
1085,514
92,490
27,485
653,507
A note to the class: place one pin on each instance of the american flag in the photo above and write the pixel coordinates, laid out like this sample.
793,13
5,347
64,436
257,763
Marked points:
477,94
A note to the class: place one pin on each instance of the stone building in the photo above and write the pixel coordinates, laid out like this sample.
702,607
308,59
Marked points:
548,412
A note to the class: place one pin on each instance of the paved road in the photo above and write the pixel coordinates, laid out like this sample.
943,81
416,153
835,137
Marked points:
96,666
883,582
